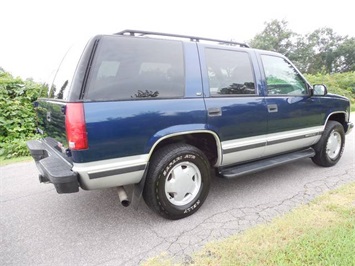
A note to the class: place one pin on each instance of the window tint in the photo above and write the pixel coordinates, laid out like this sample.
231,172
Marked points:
229,72
281,77
136,68
63,77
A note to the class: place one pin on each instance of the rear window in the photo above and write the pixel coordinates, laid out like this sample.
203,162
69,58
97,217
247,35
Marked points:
136,68
61,85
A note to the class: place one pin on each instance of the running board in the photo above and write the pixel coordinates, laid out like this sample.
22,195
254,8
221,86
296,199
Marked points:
258,166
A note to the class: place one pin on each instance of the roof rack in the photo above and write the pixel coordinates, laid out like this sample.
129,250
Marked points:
192,38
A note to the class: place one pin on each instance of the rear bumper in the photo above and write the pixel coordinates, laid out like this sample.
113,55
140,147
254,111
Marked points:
53,167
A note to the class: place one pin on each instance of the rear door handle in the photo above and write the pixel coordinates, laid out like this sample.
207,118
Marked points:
215,111
272,108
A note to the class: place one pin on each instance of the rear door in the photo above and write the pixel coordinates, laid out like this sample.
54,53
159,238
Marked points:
293,115
139,91
234,102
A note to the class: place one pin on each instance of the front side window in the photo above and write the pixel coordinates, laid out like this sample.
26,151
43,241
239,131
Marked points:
282,78
136,68
229,72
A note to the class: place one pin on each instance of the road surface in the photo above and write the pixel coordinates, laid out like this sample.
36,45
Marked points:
39,226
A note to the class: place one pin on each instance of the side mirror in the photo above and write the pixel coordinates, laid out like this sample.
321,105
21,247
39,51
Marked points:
319,90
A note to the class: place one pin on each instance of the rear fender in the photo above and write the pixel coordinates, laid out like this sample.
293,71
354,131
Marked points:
182,130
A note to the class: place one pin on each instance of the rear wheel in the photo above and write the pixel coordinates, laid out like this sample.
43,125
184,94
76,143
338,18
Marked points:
178,181
330,147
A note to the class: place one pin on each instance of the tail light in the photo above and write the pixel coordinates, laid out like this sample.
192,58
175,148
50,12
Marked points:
75,126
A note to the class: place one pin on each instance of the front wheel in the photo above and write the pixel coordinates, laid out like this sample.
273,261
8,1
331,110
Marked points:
178,181
330,147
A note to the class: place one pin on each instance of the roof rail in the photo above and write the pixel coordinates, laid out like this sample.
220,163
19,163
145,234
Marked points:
192,38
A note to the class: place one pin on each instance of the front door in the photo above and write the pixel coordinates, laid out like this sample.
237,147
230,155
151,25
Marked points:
294,120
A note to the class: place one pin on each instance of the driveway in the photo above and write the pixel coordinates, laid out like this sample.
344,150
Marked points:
39,226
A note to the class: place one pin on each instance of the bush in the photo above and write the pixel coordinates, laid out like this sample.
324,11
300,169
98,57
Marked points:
17,116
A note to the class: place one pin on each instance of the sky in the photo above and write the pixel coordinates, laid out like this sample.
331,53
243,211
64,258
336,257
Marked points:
35,34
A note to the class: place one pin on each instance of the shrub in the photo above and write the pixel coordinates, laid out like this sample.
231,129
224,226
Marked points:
17,116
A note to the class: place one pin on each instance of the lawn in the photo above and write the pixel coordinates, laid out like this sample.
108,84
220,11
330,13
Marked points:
319,233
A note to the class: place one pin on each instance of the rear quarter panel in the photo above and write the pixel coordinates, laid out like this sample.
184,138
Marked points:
128,128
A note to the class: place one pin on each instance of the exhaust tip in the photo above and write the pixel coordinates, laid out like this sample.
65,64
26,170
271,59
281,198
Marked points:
122,195
125,203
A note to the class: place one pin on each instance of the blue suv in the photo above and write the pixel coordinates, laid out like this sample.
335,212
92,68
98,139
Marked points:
165,112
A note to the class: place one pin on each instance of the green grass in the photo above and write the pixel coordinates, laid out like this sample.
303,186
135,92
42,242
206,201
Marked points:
331,246
4,161
319,233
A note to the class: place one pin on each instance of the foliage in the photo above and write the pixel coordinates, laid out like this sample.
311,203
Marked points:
17,116
323,50
275,37
345,56
323,44
338,83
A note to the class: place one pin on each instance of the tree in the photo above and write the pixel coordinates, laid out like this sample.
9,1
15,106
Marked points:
345,56
275,37
302,54
324,43
320,51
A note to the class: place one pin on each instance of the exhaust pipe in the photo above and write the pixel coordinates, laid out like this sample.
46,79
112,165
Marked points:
122,194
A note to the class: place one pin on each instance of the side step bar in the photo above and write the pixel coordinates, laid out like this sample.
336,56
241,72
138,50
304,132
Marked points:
258,166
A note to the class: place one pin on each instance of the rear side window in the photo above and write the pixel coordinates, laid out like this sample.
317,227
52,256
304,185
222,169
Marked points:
135,68
229,72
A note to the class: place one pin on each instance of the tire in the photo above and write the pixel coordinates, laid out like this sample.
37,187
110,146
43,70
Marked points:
178,181
330,147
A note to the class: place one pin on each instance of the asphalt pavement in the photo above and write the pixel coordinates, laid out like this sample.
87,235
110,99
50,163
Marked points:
39,226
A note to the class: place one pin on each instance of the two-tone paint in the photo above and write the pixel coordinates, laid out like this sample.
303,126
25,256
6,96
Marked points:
123,135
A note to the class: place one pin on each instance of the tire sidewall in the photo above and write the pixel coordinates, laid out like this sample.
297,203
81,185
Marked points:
338,128
321,158
168,163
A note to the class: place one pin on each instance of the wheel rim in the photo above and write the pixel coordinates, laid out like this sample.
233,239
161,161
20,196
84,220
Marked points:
183,183
333,145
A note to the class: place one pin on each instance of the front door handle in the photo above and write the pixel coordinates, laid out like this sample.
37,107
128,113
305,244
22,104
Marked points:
216,111
272,108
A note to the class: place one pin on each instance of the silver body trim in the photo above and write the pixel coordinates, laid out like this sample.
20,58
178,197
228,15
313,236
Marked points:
129,170
246,149
116,172
292,140
85,170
